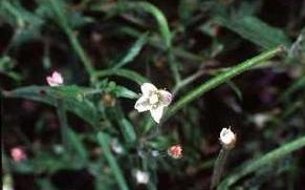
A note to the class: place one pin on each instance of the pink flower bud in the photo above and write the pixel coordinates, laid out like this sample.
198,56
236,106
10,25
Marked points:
18,154
56,79
175,151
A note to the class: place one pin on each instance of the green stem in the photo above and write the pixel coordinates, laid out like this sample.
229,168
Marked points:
219,166
187,81
73,39
173,65
216,81
179,52
163,28
103,140
61,112
128,74
268,158
153,10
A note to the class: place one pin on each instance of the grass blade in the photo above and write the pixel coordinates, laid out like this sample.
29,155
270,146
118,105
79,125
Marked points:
103,140
128,74
72,97
59,12
269,158
216,81
133,51
255,30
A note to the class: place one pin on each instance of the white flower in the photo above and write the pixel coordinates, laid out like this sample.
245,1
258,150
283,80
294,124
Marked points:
227,138
260,119
154,100
55,80
141,177
7,182
116,147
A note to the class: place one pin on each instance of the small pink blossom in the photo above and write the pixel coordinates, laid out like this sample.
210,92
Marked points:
56,79
175,151
18,154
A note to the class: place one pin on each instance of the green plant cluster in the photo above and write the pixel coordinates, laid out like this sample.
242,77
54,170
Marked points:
202,51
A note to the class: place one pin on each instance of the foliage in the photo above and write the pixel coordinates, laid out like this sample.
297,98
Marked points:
235,64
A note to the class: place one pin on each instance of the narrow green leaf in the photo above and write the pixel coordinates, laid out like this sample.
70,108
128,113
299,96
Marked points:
216,81
77,145
268,158
72,97
103,140
6,68
235,88
133,51
121,91
57,7
61,112
26,23
255,30
149,8
128,74
128,130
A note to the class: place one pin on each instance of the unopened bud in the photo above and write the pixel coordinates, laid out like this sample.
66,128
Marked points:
227,138
175,151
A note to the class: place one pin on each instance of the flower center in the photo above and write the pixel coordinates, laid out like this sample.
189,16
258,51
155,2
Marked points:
153,99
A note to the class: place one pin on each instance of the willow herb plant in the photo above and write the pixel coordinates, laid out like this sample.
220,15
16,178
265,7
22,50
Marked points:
89,60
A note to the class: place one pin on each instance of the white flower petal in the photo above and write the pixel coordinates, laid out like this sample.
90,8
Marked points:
166,97
142,177
148,88
142,104
157,113
227,138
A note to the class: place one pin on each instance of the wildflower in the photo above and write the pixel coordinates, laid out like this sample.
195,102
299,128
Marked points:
260,119
154,100
175,151
141,177
18,154
155,153
227,138
56,79
7,183
116,147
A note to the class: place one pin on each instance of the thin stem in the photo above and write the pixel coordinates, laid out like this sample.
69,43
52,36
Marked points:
219,166
61,112
162,25
216,81
266,159
187,81
73,40
103,140
173,66
179,52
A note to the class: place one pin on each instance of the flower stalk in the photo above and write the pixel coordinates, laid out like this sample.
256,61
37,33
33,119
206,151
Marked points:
227,139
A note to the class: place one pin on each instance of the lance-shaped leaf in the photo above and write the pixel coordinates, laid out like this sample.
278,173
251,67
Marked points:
71,96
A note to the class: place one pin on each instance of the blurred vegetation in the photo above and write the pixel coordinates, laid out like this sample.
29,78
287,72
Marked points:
227,62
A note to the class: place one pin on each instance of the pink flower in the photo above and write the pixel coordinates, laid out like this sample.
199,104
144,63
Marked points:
175,151
18,154
55,80
227,138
